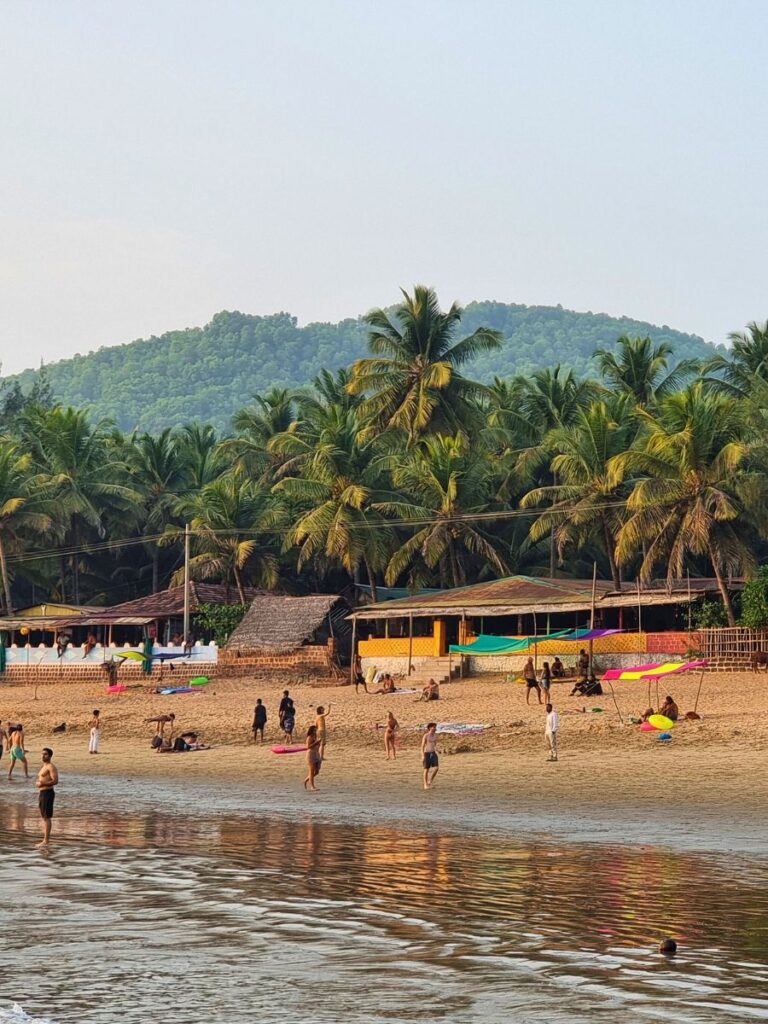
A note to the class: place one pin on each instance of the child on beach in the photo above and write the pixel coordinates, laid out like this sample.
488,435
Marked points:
314,759
95,735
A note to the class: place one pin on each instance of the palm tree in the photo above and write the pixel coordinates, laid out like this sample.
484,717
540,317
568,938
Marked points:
641,369
256,425
20,493
444,479
160,477
201,454
747,362
85,468
685,473
330,478
413,383
584,499
227,517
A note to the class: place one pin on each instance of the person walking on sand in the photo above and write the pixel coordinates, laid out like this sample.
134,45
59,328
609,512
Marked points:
18,753
529,675
259,720
550,731
47,778
285,703
390,736
429,757
322,733
314,759
289,719
357,673
545,682
95,726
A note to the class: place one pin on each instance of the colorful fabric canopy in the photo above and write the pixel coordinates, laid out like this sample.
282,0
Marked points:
486,644
653,671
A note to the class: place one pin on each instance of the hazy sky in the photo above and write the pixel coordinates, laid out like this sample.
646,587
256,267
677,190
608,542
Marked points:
165,160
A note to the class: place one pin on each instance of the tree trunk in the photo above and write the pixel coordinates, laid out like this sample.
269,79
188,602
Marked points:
722,587
63,567
155,569
552,552
239,582
609,550
454,566
372,582
6,581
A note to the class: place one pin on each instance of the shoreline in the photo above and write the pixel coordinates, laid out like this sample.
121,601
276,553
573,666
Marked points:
612,783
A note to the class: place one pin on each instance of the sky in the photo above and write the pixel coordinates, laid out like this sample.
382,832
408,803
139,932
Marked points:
164,160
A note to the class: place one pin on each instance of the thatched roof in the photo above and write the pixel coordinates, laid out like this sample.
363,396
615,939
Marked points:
278,623
170,603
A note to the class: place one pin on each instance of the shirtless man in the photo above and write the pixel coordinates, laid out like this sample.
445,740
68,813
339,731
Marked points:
429,754
322,714
17,751
47,778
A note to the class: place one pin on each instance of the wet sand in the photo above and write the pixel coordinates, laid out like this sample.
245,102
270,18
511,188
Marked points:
611,782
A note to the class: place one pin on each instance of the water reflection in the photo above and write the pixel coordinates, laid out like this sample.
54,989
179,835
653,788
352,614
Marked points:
231,919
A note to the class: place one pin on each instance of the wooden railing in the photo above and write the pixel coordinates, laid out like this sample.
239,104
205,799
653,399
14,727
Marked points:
737,642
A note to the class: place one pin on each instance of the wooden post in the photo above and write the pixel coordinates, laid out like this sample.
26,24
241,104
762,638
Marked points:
592,616
354,651
410,642
464,635
698,692
535,646
639,609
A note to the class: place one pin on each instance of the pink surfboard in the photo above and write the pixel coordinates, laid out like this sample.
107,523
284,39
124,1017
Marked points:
287,750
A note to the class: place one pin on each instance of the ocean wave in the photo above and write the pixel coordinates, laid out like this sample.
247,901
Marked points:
16,1015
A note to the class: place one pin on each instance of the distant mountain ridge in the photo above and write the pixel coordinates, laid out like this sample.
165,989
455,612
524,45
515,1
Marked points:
208,373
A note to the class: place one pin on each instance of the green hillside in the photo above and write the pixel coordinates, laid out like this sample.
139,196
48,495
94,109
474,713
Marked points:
207,373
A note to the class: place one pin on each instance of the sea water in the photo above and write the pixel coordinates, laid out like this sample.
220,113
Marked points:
142,911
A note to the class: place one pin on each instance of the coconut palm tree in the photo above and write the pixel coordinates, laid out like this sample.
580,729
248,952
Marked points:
160,477
641,369
230,520
330,479
86,471
443,479
737,371
413,382
686,472
21,508
256,425
584,500
201,454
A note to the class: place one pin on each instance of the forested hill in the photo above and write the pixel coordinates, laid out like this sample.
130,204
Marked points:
207,373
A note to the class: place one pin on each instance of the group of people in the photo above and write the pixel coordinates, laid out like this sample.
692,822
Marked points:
12,742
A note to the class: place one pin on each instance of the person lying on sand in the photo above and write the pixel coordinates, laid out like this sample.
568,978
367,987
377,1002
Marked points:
388,685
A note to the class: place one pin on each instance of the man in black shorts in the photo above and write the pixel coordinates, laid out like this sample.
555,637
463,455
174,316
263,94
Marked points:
47,778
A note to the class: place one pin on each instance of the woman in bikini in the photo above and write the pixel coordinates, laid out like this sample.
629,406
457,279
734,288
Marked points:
390,735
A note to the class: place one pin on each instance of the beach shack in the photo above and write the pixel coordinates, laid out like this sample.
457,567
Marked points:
290,637
413,635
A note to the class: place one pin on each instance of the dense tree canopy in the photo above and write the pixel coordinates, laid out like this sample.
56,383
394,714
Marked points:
401,469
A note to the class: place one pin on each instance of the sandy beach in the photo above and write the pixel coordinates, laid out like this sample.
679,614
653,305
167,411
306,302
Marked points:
606,768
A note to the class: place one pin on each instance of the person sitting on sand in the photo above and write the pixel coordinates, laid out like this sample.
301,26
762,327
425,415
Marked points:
588,687
647,714
430,692
558,669
387,684
669,709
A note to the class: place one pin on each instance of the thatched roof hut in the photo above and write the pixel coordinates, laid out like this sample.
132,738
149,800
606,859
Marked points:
278,624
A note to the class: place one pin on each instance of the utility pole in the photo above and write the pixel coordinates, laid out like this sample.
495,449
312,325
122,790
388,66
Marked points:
186,584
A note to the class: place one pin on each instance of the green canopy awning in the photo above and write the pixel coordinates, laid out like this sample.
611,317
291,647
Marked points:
504,644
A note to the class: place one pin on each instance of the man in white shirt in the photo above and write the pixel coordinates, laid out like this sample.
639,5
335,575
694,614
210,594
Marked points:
550,731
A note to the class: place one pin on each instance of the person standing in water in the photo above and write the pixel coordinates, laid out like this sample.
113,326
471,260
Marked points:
95,727
259,720
550,731
322,734
47,778
430,761
390,736
17,751
314,760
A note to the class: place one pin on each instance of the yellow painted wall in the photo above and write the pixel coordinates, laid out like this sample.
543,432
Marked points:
434,646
